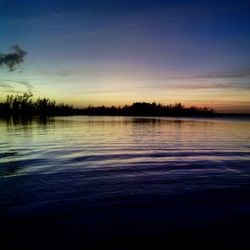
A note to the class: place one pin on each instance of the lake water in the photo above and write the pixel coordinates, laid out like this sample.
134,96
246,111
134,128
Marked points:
124,182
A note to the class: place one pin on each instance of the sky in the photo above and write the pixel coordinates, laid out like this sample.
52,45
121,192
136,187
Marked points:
116,52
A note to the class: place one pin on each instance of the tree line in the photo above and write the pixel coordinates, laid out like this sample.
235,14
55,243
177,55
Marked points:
24,105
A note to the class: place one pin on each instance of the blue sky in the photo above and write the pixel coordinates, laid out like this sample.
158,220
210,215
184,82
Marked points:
117,52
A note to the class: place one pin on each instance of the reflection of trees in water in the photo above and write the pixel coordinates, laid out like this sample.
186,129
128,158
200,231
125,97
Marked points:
26,121
146,120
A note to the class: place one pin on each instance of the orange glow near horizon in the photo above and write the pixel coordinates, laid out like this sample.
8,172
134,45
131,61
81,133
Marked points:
118,92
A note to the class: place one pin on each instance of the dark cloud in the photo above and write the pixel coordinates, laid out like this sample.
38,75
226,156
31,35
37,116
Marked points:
14,58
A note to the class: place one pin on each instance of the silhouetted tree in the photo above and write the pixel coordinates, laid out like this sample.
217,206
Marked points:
25,106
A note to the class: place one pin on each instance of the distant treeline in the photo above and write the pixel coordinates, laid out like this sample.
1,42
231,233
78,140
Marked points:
23,105
150,109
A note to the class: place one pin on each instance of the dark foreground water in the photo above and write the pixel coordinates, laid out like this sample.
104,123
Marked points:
124,183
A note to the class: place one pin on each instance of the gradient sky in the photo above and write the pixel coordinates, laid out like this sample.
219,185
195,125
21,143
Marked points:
120,51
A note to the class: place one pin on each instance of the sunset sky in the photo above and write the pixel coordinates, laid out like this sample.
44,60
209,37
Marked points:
116,52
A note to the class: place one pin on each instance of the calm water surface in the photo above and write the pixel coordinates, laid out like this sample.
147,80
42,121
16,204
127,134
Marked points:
121,182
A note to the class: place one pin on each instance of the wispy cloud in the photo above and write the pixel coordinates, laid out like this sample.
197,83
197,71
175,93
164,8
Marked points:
213,86
241,73
5,85
200,86
12,86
